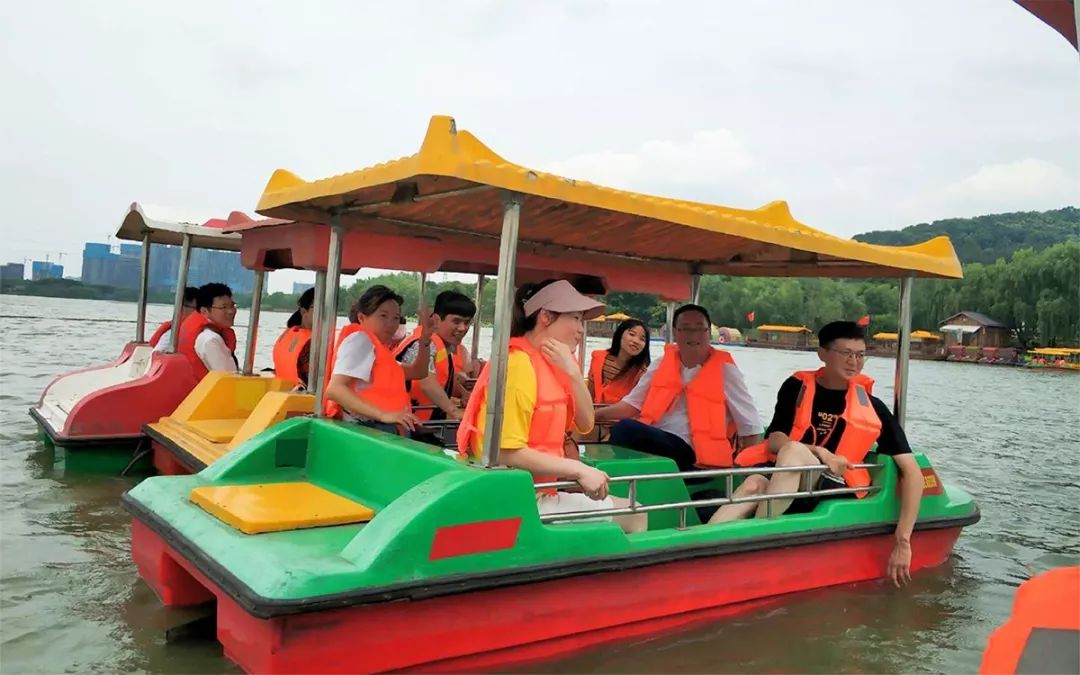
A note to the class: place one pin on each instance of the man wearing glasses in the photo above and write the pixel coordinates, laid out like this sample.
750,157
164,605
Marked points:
207,338
829,417
689,404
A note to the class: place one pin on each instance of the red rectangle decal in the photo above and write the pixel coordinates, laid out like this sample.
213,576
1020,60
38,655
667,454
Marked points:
482,537
931,483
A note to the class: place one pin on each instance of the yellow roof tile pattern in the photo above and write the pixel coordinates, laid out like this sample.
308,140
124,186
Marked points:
453,185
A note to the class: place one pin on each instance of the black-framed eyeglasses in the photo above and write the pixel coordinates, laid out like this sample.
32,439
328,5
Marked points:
849,354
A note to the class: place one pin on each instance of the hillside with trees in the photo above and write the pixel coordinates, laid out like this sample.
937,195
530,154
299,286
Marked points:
985,239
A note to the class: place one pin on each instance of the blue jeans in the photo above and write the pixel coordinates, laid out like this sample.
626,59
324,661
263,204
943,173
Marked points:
643,438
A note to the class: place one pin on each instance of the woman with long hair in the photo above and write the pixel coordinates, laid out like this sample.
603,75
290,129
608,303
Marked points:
613,372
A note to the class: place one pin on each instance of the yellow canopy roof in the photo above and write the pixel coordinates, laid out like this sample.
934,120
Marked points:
785,329
617,316
451,188
915,335
1053,351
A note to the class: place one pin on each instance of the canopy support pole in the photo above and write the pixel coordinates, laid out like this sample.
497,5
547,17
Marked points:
144,290
181,284
903,351
500,343
329,317
695,289
481,280
315,362
253,321
423,290
670,323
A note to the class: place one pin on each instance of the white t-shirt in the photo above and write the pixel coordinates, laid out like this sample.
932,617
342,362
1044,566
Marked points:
355,358
165,343
740,404
211,349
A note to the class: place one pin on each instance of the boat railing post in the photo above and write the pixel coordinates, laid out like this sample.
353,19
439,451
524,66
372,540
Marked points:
632,495
670,323
500,343
682,518
480,281
253,321
181,284
144,290
903,351
315,363
329,317
729,485
768,508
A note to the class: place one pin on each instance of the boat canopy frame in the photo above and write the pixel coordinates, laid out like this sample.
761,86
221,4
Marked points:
470,186
184,231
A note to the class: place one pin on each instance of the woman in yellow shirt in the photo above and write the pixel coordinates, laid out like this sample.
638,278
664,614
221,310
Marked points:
546,396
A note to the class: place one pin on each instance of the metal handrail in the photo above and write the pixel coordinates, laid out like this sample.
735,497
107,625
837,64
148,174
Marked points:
682,506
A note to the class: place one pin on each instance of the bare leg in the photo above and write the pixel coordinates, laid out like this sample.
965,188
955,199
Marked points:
792,454
637,522
753,485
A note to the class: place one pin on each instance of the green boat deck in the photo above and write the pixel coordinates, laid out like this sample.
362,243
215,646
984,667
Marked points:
419,493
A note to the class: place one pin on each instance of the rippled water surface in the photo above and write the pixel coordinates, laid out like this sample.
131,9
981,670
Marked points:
70,600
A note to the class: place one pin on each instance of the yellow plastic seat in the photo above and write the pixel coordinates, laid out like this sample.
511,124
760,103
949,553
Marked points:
217,431
276,507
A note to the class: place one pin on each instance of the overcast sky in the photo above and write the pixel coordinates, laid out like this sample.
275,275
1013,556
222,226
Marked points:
862,115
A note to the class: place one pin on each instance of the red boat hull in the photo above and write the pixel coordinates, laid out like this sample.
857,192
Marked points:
530,622
166,462
118,413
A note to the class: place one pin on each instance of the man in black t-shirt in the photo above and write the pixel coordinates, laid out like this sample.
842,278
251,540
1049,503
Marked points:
836,387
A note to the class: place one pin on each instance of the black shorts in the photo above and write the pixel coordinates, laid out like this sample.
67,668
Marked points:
808,504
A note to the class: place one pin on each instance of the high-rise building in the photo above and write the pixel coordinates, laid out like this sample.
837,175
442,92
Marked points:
12,272
43,269
102,266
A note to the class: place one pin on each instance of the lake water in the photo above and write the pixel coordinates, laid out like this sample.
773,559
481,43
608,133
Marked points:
71,601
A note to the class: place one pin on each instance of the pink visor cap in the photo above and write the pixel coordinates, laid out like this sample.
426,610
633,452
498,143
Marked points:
562,297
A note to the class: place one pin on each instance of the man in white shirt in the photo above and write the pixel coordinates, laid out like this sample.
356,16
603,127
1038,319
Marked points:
670,434
207,338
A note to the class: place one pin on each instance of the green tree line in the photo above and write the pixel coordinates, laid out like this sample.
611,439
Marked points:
985,239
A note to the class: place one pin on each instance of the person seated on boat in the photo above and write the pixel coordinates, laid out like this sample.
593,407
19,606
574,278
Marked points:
207,338
367,384
292,351
161,340
829,417
453,314
545,397
614,372
690,404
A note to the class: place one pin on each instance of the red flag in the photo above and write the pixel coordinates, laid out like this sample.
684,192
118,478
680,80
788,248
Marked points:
865,321
750,317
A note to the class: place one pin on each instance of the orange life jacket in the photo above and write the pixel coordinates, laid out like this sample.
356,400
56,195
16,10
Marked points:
617,389
1046,603
552,417
710,430
190,329
861,426
387,387
286,352
444,373
161,330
